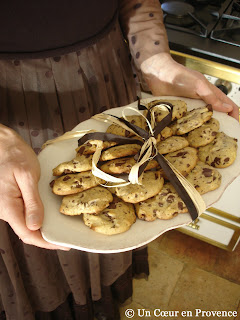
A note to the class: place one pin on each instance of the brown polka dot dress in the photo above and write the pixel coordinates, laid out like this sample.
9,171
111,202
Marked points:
41,99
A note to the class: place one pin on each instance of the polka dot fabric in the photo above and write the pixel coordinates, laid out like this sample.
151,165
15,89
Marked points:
41,99
142,21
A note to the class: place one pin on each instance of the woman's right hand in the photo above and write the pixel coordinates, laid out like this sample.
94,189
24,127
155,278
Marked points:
20,203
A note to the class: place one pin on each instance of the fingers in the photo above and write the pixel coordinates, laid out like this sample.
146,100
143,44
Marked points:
235,113
14,214
33,206
219,101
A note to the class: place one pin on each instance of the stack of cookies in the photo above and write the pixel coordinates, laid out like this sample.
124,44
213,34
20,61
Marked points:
192,143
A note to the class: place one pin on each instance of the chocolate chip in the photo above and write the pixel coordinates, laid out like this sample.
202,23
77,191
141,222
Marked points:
118,164
226,159
81,150
214,133
52,183
77,184
207,172
170,198
180,205
181,154
66,178
216,160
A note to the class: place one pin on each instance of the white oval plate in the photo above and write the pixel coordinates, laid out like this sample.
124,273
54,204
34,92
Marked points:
71,231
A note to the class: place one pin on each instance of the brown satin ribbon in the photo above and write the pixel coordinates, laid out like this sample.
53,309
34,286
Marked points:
158,157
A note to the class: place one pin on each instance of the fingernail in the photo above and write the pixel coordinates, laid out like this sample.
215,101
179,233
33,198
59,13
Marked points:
65,249
33,220
227,106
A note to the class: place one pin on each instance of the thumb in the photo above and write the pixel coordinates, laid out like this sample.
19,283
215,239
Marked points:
33,206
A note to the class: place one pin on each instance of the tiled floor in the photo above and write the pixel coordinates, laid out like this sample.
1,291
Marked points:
186,274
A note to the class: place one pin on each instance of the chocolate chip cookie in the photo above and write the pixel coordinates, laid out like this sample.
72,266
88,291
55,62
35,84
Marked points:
79,164
192,120
165,205
183,160
124,165
204,178
203,135
151,184
120,152
93,200
220,153
172,144
74,183
179,109
136,120
91,146
117,218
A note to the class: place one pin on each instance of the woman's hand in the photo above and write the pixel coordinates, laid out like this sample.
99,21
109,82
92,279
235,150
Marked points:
20,203
164,76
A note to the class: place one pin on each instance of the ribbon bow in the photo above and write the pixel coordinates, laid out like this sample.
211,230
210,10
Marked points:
185,190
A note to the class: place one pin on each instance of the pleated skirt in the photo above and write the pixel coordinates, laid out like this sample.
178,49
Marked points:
41,99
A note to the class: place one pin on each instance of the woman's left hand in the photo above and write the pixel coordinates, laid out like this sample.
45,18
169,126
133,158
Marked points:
164,76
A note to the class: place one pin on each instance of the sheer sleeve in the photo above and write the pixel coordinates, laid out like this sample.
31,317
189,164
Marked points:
142,24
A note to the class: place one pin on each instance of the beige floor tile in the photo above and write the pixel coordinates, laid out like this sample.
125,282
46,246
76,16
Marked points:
198,289
203,255
164,274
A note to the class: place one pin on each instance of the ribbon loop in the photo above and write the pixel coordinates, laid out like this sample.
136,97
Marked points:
186,191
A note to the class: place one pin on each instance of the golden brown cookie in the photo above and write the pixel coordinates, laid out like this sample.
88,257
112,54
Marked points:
136,120
124,165
79,164
172,144
179,108
74,183
203,135
91,146
192,120
165,205
183,160
220,153
93,200
117,218
204,178
120,152
151,184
